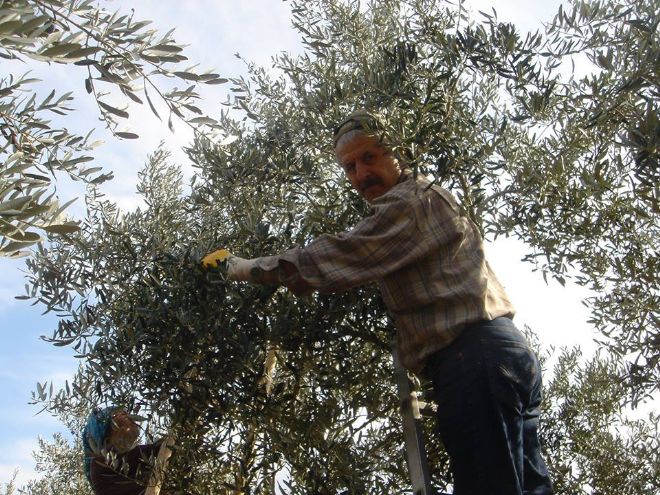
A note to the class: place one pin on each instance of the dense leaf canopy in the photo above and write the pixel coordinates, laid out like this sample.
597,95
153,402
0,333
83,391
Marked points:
254,382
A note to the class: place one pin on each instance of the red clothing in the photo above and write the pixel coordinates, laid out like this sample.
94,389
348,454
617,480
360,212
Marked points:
128,476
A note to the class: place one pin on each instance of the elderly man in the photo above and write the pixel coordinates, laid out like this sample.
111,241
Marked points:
452,316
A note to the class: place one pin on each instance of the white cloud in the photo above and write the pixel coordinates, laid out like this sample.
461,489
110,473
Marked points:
554,312
56,365
16,456
524,14
216,29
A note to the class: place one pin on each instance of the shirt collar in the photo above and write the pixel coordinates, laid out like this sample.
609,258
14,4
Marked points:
406,173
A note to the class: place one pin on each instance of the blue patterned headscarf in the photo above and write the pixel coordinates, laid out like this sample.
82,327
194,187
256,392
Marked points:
94,433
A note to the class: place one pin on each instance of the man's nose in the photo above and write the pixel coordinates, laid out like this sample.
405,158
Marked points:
361,171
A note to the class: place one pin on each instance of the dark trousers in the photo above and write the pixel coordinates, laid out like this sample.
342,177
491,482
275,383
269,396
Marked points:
487,385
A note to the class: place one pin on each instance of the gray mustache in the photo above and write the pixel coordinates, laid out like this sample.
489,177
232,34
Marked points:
371,181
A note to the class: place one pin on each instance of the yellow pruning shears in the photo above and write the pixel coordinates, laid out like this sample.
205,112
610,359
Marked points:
216,257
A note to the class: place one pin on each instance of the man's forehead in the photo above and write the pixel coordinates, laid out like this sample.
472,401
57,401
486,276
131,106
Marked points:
358,120
356,142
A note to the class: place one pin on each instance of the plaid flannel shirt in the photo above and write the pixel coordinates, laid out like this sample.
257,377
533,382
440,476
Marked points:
427,258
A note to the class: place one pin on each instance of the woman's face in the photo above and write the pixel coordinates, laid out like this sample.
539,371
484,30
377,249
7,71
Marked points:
123,434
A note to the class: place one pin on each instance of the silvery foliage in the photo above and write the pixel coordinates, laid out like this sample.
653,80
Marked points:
119,59
261,388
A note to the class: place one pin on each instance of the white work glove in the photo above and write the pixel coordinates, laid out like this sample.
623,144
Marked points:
239,269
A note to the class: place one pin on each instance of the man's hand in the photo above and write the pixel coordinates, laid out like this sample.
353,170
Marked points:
239,269
246,270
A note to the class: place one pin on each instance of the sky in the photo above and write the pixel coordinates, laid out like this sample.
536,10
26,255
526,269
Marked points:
214,31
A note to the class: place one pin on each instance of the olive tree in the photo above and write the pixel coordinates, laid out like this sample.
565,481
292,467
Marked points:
564,159
592,444
260,388
251,382
60,468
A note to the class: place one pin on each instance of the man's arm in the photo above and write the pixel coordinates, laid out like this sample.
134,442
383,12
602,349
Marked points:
401,230
246,270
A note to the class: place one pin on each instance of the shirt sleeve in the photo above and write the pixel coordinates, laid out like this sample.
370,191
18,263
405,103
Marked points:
400,230
131,474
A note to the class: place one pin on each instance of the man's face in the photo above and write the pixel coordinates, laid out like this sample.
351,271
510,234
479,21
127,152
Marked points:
370,167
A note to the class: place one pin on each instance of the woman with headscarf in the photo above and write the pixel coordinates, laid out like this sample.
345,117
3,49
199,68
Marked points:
114,464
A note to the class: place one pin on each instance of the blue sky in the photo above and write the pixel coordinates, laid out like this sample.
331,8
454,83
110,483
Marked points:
214,31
